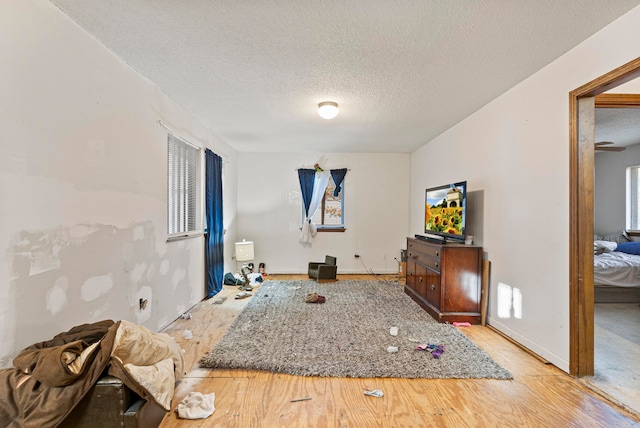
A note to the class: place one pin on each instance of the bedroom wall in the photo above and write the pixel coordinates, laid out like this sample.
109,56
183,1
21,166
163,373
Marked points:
610,188
610,182
83,172
376,210
514,152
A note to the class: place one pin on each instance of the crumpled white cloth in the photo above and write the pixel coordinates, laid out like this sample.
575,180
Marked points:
197,405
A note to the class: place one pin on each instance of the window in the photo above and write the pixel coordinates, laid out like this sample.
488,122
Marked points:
182,187
330,215
633,198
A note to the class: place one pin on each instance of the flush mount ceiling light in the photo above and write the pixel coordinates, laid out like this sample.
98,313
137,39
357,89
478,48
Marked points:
328,109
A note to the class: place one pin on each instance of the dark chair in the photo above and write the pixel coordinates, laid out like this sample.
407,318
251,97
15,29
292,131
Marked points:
324,271
111,404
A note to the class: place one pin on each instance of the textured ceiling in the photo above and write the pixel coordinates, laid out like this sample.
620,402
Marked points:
402,71
621,126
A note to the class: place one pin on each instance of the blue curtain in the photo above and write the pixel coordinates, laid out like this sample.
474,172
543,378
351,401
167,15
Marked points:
306,176
214,245
338,178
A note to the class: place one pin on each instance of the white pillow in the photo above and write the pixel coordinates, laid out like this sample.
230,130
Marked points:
604,247
617,237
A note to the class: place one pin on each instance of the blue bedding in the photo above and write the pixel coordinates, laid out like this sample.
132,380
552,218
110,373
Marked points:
629,248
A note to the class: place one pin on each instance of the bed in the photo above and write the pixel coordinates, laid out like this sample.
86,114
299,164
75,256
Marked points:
616,271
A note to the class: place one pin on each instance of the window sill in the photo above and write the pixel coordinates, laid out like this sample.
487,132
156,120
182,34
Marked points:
331,229
179,237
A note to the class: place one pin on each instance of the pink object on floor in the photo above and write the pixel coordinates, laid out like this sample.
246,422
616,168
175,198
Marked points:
438,351
461,324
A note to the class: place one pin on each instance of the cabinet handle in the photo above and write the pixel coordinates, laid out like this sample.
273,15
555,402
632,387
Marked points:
410,273
433,287
437,264
437,253
420,278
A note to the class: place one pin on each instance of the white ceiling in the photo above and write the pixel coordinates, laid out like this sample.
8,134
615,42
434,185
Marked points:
621,126
402,71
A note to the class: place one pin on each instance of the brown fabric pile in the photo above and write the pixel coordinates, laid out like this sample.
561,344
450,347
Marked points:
50,378
29,392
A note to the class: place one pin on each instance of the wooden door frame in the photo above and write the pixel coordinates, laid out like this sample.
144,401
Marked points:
582,103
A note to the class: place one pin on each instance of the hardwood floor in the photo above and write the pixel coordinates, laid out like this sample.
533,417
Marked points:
540,395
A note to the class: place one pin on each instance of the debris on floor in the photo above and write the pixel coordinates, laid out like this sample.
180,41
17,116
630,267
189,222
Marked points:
436,350
374,393
187,334
196,405
219,301
461,324
314,298
243,295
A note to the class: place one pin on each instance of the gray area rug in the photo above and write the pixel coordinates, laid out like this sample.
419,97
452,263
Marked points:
347,336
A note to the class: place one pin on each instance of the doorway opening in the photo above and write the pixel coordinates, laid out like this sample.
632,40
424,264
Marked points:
582,103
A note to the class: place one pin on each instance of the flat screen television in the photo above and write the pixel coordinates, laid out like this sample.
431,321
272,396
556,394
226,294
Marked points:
445,210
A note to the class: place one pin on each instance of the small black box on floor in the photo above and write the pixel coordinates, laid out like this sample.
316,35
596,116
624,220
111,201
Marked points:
111,404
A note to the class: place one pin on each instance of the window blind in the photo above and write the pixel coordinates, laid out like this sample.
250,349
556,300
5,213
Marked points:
632,198
182,167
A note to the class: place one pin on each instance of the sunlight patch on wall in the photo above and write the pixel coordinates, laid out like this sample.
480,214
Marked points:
517,303
95,287
509,301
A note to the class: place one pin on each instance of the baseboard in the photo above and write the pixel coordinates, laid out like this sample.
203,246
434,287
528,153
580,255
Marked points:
345,272
528,345
518,344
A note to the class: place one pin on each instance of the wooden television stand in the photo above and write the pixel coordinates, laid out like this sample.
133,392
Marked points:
445,279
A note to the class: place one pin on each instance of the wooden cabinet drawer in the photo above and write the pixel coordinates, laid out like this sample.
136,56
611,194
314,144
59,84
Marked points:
445,279
411,273
418,249
432,288
421,280
433,264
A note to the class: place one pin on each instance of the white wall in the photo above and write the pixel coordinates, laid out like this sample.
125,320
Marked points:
376,211
610,188
514,152
83,172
